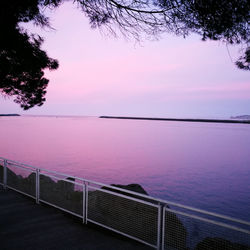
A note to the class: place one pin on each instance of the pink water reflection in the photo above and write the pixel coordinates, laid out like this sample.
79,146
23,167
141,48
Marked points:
204,165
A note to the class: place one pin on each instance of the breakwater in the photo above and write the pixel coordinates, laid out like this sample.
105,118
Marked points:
177,119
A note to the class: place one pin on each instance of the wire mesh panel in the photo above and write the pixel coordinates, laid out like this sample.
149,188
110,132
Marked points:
21,179
62,193
175,233
202,234
123,214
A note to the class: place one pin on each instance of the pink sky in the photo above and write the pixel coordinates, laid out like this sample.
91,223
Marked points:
102,75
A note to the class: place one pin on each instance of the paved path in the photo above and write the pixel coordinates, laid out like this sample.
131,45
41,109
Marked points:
27,225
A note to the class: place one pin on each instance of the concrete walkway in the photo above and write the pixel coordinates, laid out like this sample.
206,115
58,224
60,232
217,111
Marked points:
27,225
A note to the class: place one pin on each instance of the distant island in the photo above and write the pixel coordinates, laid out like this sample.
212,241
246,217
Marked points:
178,119
9,115
243,117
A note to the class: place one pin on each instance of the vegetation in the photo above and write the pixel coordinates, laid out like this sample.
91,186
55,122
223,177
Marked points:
23,61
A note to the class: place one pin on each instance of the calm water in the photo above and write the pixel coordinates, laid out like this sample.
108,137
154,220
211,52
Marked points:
204,165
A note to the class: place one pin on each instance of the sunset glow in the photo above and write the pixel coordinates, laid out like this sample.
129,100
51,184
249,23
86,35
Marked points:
103,75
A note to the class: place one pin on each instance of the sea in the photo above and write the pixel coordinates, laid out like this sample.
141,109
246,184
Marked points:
203,165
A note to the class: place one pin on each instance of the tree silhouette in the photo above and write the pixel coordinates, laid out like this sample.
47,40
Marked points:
23,61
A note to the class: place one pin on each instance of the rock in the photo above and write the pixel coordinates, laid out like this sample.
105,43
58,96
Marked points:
24,184
12,177
175,232
128,216
31,180
134,218
219,244
46,184
61,193
65,187
130,187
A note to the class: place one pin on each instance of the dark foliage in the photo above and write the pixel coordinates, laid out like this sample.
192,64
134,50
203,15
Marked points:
23,62
223,20
244,61
21,59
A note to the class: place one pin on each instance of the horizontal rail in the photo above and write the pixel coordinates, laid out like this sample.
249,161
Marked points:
22,167
124,234
63,209
217,223
21,192
124,196
19,163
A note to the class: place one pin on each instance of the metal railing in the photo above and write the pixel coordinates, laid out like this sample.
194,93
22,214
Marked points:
148,220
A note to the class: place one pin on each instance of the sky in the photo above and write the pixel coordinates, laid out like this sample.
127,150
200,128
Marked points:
103,75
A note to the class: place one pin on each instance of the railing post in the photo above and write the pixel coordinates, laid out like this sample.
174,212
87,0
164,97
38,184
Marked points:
37,185
163,227
83,202
159,226
5,174
86,202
